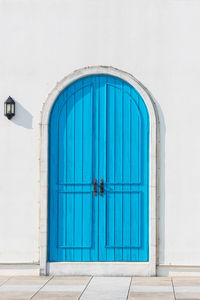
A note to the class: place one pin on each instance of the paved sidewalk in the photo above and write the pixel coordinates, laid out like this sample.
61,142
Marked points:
98,288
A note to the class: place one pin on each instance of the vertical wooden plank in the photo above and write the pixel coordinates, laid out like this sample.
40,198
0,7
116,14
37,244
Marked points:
102,167
136,139
126,173
78,148
141,208
82,179
135,223
118,171
53,177
110,196
134,172
87,168
70,172
95,168
62,197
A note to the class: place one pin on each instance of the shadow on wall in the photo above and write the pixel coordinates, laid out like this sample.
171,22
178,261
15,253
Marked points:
22,116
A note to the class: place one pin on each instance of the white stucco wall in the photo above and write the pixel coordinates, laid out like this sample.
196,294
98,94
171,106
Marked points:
156,41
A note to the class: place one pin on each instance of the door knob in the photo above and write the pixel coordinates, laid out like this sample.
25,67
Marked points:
95,187
101,187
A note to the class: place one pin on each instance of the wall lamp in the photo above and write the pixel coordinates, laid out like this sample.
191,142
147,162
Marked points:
9,108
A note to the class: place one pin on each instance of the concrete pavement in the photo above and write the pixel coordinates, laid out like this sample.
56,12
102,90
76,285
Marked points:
98,288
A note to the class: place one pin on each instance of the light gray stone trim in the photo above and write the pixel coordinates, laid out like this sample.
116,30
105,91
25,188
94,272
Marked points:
100,268
178,271
145,94
25,269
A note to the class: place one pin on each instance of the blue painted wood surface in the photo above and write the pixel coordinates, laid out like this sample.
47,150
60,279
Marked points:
98,128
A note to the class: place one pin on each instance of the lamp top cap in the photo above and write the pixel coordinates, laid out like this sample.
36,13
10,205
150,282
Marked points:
10,100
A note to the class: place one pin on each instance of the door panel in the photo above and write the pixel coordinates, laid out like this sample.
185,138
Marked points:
123,228
99,128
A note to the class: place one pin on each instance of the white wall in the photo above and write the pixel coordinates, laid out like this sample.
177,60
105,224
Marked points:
156,41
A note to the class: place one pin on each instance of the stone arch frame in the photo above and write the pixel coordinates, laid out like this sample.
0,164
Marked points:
98,268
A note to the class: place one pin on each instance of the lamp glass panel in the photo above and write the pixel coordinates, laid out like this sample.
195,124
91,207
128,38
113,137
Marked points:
12,108
8,109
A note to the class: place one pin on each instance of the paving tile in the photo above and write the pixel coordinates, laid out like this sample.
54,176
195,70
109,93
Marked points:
63,288
107,288
69,280
187,296
57,296
189,278
21,287
164,281
28,280
187,289
186,281
151,289
151,296
13,295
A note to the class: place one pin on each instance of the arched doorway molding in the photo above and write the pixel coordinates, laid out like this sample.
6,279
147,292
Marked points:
98,268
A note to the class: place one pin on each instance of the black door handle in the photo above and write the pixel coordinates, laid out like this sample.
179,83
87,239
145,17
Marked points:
95,187
101,187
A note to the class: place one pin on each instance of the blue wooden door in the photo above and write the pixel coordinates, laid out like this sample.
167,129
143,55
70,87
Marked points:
98,129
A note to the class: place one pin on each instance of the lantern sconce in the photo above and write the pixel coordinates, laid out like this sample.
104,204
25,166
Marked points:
9,108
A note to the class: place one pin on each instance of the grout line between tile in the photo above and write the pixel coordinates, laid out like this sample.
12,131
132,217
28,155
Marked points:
6,280
173,288
85,287
41,287
129,288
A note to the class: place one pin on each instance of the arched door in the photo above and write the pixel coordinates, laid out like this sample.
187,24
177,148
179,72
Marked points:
98,132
